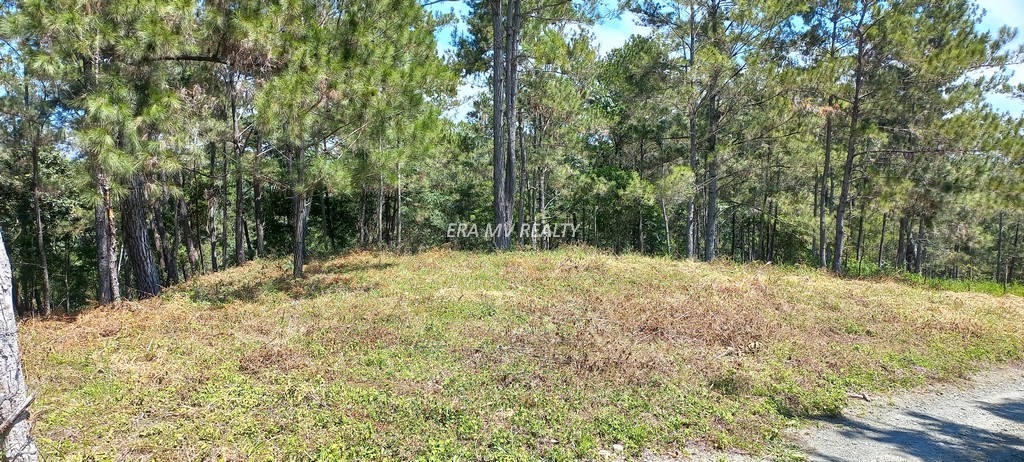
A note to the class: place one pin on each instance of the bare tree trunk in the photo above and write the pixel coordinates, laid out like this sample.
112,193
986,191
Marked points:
523,181
911,248
18,443
380,209
825,193
195,259
163,245
732,235
881,238
239,210
514,24
175,235
826,172
398,211
711,218
224,206
211,197
691,209
919,246
860,229
147,278
710,230
1013,256
300,211
498,118
40,242
851,153
505,27
543,204
999,250
901,244
668,231
257,198
106,240
773,244
236,142
815,251
363,233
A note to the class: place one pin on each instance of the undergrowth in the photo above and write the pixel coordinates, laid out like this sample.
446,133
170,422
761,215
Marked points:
516,356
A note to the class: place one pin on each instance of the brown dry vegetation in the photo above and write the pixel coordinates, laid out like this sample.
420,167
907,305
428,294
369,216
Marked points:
511,356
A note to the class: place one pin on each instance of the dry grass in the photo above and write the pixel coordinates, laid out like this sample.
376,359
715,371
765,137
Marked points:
515,356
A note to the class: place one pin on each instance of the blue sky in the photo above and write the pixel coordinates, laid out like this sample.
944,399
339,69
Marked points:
612,33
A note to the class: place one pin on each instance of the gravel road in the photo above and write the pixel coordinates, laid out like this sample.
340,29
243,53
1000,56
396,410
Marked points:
980,420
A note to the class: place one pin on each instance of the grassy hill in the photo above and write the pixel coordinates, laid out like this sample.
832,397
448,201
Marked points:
513,356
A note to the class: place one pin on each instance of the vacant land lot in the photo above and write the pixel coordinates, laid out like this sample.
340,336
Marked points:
447,355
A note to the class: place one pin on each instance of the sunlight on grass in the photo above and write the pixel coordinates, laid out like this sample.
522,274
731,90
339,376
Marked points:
448,355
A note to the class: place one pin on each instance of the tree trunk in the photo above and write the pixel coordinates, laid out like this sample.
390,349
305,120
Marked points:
240,257
815,250
668,231
239,150
908,264
163,245
514,24
300,212
497,119
380,208
881,238
860,229
775,233
140,253
691,208
732,235
18,443
211,197
523,181
175,235
999,250
257,197
106,241
224,206
543,204
505,27
195,259
363,233
919,246
1013,256
851,154
826,189
825,193
398,211
710,230
40,242
901,243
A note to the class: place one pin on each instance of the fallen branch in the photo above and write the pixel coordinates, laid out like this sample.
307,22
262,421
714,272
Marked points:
9,421
862,396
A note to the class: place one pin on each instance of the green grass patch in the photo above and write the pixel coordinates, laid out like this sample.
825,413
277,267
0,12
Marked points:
476,356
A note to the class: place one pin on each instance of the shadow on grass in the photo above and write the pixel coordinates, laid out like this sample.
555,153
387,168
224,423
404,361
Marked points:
319,278
919,436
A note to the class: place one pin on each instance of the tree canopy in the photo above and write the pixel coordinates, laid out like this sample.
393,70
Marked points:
147,142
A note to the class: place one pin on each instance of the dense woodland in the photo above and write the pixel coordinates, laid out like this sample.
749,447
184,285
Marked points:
148,142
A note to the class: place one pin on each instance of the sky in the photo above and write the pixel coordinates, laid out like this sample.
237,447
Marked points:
613,33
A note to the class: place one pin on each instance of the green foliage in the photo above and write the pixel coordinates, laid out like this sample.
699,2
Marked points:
234,117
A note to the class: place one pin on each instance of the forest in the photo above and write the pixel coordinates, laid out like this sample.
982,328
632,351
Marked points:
147,142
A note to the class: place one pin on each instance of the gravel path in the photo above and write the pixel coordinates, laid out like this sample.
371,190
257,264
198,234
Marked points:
982,420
